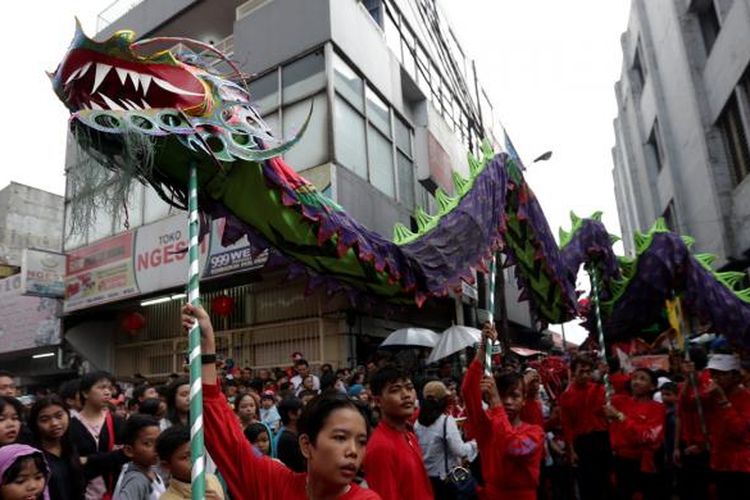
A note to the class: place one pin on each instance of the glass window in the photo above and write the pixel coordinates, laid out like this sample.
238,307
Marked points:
265,92
303,77
272,120
347,82
378,112
392,36
405,180
312,149
380,153
154,208
349,137
403,135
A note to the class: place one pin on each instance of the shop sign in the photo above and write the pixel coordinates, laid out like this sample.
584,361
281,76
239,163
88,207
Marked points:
26,322
43,273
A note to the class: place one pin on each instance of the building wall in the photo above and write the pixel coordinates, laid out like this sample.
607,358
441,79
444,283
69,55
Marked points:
684,89
29,218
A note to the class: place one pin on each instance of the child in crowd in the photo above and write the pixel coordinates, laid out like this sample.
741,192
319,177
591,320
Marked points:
246,409
268,413
23,473
173,448
10,420
138,480
259,435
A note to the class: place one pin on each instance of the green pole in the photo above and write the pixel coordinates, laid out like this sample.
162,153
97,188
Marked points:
593,275
197,448
491,315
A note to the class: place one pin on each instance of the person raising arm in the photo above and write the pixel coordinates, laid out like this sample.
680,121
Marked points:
333,436
511,449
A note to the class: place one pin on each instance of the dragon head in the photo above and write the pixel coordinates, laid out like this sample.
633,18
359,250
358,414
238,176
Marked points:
110,75
147,114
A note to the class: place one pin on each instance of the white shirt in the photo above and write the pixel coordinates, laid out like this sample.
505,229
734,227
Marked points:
297,382
433,446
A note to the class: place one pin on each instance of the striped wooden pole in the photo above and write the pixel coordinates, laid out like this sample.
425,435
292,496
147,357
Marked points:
491,315
197,448
593,276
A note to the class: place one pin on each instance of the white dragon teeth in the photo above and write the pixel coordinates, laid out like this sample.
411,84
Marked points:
112,104
145,82
95,106
101,72
122,74
140,82
171,88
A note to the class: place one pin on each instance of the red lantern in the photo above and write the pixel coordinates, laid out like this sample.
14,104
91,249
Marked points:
132,322
223,305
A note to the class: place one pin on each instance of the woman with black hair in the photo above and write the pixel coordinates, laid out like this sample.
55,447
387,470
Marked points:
49,422
94,430
333,435
443,448
637,433
178,402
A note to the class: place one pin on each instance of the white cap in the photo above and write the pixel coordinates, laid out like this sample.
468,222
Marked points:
723,362
662,381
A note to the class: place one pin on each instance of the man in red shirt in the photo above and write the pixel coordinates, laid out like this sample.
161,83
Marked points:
510,449
727,406
691,456
393,465
585,429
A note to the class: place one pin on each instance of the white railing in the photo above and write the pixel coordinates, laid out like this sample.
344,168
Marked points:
113,12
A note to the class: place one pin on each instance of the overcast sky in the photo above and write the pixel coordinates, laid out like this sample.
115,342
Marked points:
549,67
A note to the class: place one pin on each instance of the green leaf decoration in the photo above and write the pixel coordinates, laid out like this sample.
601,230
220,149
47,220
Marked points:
444,201
402,234
706,260
597,216
689,241
642,242
613,238
565,237
424,220
744,295
460,183
488,151
475,166
627,266
660,226
731,278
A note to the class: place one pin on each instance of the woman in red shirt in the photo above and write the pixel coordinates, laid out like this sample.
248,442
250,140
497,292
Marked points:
636,434
333,437
511,450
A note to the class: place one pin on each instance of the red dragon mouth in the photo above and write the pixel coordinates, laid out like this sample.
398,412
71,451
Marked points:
92,80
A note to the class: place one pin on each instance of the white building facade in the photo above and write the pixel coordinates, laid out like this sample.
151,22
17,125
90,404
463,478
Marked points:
681,150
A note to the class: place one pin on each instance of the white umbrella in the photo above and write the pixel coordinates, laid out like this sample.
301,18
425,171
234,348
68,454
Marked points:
453,340
421,337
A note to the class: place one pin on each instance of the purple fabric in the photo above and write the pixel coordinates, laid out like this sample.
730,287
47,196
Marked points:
591,243
665,266
12,452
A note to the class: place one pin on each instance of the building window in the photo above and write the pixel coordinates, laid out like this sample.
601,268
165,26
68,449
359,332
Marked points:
380,152
670,217
708,19
303,77
347,82
735,140
349,136
639,71
312,148
375,8
655,148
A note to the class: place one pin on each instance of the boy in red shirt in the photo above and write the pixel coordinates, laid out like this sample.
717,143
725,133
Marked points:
393,466
511,449
636,434
727,408
585,429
